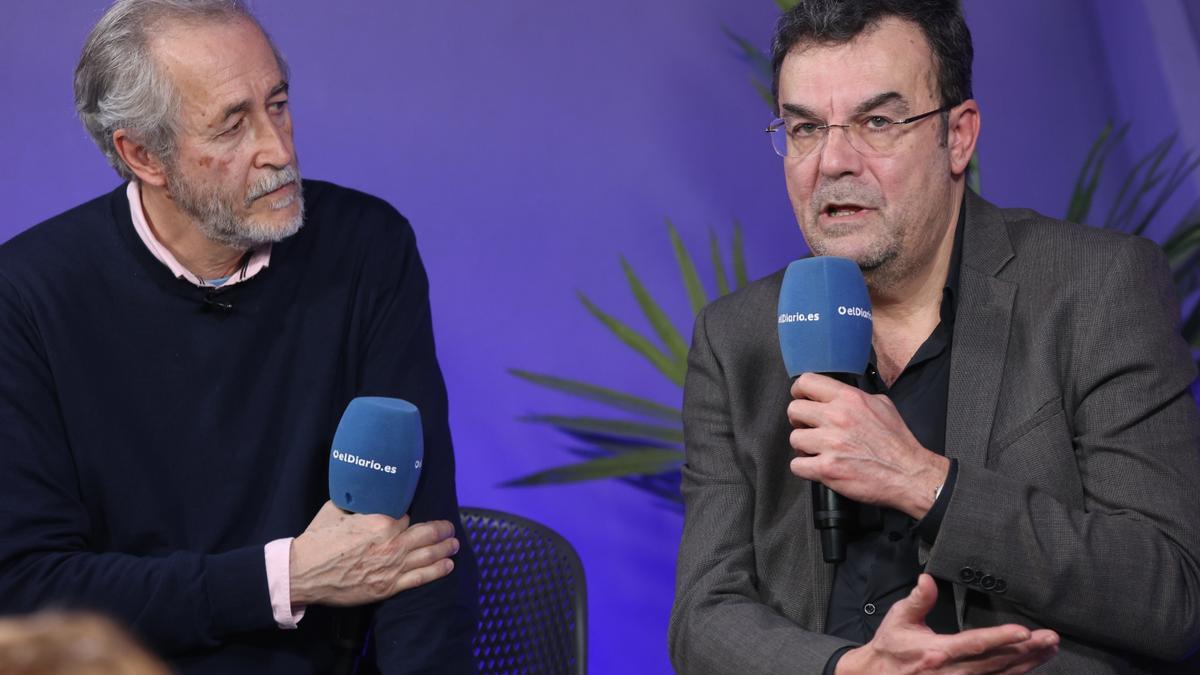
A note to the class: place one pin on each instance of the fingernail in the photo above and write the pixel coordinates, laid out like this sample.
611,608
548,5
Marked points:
454,547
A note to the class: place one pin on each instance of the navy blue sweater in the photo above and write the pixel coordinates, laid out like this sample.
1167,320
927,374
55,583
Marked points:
152,443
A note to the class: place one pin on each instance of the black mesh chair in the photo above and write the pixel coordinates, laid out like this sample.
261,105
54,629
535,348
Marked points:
532,597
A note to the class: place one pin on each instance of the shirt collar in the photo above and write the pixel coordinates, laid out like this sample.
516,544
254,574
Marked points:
257,260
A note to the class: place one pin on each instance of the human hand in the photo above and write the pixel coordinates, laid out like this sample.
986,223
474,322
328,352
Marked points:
858,445
348,559
904,644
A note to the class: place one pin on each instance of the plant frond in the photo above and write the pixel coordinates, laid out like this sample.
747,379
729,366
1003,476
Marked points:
610,427
738,255
668,366
718,264
695,291
609,397
666,331
644,462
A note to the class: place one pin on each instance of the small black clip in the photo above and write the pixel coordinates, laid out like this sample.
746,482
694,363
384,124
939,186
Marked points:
211,299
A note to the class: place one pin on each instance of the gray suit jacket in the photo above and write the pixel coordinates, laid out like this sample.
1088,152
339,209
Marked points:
1077,503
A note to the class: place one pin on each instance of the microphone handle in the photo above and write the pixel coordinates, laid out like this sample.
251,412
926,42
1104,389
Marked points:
832,513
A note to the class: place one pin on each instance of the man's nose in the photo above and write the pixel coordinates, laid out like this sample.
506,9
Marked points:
838,156
275,147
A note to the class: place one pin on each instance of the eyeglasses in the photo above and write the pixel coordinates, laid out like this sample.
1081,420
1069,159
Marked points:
870,135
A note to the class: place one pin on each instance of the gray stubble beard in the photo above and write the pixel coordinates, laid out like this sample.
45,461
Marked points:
215,215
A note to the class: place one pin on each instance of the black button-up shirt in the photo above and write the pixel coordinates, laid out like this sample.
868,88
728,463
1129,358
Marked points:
881,565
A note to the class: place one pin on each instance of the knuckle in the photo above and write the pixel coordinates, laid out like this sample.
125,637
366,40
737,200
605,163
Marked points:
793,411
838,417
379,586
796,439
931,660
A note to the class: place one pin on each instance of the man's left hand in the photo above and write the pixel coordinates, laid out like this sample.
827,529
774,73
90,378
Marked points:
858,445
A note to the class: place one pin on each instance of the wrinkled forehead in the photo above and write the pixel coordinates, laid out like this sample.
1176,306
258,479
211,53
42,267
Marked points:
890,56
214,62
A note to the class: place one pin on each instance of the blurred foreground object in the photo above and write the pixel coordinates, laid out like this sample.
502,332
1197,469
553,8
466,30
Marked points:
55,643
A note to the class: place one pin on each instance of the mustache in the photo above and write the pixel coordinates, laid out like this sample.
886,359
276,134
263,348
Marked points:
272,182
843,193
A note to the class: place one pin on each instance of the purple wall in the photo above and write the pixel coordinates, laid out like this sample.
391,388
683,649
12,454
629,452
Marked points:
531,143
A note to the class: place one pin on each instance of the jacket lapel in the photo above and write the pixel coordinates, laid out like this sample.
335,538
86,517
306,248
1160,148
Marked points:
981,330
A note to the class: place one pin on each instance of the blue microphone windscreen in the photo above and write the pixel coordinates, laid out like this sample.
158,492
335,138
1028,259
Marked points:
376,458
824,317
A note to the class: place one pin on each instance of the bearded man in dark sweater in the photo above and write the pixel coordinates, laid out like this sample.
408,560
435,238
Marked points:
175,358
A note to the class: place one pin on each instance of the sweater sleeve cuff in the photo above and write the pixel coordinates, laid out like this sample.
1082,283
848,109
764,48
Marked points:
236,585
278,555
929,526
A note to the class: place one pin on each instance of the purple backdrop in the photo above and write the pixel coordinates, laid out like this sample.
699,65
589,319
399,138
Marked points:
532,142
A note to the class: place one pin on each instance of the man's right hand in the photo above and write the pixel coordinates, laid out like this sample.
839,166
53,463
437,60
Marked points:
349,559
904,644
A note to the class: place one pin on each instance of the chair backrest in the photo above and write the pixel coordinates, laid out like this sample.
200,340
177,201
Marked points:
532,596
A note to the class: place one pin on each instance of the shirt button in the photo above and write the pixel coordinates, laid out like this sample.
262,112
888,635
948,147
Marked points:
868,609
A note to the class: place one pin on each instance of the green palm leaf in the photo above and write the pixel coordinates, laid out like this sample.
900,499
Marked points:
662,325
691,280
622,446
718,265
759,61
610,397
611,427
764,92
639,463
1141,176
738,253
1182,169
974,178
1191,327
672,368
1089,176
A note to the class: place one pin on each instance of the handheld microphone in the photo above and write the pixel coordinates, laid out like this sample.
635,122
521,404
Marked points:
825,327
374,467
375,461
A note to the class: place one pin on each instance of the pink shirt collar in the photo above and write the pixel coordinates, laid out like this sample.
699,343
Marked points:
259,258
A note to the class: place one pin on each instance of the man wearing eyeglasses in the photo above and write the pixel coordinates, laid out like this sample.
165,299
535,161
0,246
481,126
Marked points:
1022,445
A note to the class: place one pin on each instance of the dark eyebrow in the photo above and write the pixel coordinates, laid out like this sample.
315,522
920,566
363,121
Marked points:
243,106
799,111
877,101
866,106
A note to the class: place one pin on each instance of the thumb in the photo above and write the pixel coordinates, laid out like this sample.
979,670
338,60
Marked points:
916,606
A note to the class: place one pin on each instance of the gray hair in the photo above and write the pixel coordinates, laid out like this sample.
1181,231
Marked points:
118,83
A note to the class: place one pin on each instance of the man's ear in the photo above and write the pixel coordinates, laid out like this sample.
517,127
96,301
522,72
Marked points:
148,167
962,134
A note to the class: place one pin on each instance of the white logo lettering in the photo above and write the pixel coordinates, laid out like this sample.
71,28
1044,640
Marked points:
798,317
362,461
854,311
